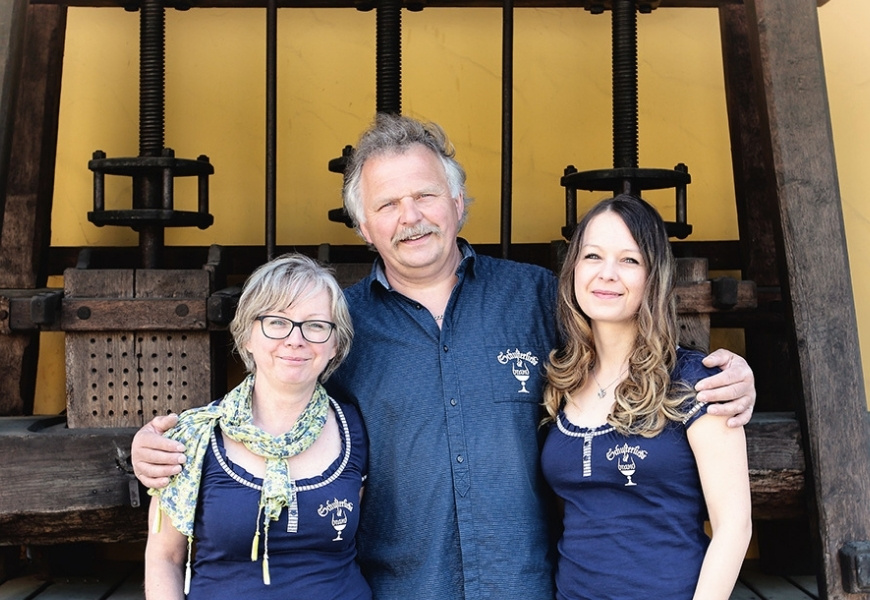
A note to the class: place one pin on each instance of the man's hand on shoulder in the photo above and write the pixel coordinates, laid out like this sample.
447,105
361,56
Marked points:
730,393
156,458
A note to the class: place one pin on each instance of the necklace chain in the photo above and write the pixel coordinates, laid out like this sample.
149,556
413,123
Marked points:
439,317
602,390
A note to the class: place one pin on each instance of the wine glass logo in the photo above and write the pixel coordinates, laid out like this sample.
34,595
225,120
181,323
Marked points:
339,522
626,466
521,372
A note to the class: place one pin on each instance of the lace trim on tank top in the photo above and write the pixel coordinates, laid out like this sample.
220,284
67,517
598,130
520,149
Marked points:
346,452
587,434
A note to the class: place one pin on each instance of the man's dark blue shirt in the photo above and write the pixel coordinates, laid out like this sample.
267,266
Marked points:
455,505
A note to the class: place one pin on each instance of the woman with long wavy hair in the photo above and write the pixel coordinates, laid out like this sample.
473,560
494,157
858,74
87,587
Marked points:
636,460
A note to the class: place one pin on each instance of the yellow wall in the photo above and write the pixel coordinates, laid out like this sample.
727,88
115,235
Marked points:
215,98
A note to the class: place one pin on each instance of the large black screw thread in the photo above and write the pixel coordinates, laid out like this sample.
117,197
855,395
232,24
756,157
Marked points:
154,170
625,135
152,58
389,56
626,177
148,190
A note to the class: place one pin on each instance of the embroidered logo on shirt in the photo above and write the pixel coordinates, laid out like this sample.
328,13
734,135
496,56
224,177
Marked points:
519,365
625,462
339,517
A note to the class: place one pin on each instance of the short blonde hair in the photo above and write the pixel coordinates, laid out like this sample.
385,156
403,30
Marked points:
278,284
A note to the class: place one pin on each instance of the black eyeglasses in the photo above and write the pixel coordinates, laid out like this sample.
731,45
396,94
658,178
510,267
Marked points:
278,328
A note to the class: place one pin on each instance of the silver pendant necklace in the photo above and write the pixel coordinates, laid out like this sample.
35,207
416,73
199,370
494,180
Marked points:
602,390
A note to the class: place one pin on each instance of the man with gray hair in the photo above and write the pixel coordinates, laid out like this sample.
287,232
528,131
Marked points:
447,371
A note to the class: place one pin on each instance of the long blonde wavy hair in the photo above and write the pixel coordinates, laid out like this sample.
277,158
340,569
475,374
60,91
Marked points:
646,400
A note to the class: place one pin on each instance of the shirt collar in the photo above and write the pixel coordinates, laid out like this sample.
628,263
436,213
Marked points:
466,264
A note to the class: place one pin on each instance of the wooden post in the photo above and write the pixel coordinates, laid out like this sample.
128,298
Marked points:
12,19
26,228
783,540
761,249
786,49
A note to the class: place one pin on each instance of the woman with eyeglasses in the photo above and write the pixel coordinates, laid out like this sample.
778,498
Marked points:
267,504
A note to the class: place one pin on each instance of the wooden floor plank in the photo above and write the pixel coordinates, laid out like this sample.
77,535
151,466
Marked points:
741,592
80,588
772,587
808,583
132,588
131,591
22,587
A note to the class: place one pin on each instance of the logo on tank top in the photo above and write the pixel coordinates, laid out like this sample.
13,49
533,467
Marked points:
337,511
519,362
625,460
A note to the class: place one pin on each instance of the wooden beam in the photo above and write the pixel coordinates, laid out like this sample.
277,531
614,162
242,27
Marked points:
242,260
91,494
84,469
69,485
776,466
698,297
370,4
106,525
134,314
786,47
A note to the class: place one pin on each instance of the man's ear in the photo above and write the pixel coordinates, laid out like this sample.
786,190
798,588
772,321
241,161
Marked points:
460,206
364,234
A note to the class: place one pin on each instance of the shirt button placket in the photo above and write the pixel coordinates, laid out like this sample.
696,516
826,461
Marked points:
455,429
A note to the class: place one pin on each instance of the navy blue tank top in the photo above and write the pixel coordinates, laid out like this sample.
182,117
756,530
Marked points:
317,562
